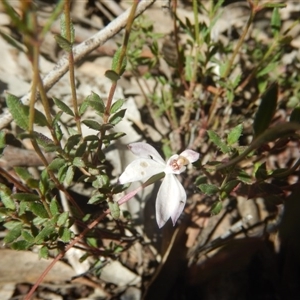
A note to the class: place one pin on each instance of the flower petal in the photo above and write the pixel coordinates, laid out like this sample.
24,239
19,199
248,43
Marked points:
146,151
140,169
191,155
170,200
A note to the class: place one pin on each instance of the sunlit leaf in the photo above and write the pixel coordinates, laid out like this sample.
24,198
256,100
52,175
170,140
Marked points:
65,234
15,107
216,208
63,218
114,209
116,106
39,210
64,107
5,196
208,189
213,136
13,234
234,134
117,117
115,62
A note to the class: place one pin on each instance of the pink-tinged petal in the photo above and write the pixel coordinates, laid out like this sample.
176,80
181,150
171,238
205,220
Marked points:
190,155
170,200
146,151
139,169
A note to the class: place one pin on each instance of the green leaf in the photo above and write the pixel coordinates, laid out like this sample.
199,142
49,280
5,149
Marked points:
39,117
44,182
64,107
200,179
275,22
83,107
58,131
44,252
273,4
5,195
101,181
13,234
234,134
78,162
112,75
120,188
39,210
69,175
45,142
81,150
56,163
63,43
295,115
261,172
63,28
2,140
96,199
27,236
93,242
23,173
223,68
115,62
116,106
12,41
213,136
61,175
117,117
189,62
65,234
73,141
216,208
91,138
21,245
230,185
15,107
113,136
266,110
26,197
54,207
267,70
114,209
63,218
96,102
208,189
44,234
92,124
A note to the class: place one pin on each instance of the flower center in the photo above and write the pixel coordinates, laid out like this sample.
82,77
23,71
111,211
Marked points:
178,163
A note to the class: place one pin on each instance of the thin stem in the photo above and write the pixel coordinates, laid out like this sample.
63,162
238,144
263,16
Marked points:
176,36
239,44
57,11
71,65
118,70
187,109
121,58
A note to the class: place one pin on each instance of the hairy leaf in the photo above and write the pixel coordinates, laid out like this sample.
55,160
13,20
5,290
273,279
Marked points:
64,107
213,136
234,134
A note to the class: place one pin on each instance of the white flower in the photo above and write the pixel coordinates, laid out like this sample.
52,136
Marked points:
171,197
